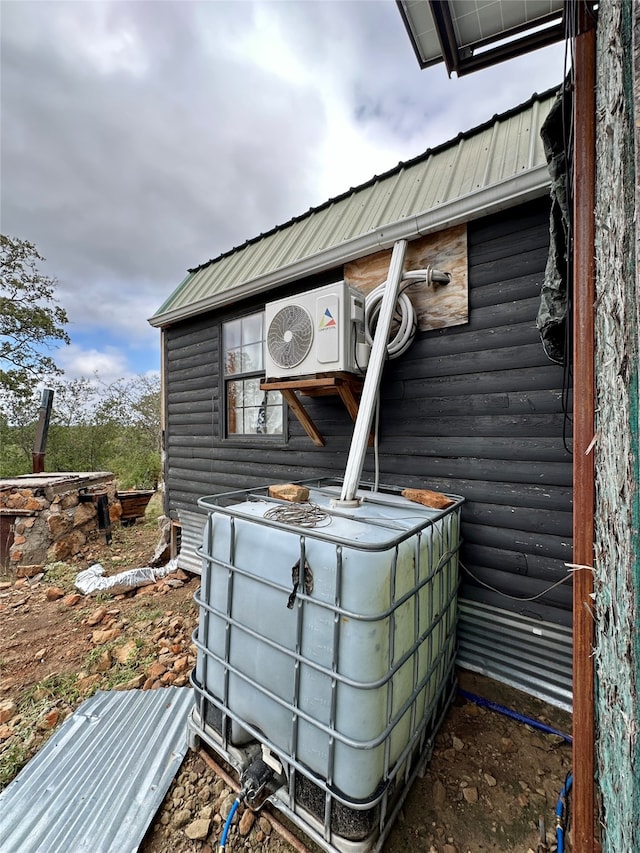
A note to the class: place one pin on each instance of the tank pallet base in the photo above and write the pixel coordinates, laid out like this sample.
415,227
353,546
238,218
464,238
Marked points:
350,828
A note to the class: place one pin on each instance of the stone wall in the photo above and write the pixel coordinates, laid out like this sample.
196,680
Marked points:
52,524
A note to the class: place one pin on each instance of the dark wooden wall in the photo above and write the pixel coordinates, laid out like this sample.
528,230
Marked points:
475,410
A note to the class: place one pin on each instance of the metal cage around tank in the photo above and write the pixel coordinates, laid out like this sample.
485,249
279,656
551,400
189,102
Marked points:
328,650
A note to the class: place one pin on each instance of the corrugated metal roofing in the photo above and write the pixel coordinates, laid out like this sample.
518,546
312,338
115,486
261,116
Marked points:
504,155
531,655
97,783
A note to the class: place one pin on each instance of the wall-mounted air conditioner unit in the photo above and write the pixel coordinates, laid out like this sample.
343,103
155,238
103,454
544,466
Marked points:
321,331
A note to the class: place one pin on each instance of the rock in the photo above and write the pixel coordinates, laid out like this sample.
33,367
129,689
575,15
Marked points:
133,684
289,492
181,664
490,780
457,744
246,822
507,745
181,818
51,719
28,571
198,830
54,593
84,685
5,732
72,599
96,617
8,709
470,794
227,805
39,655
5,585
426,497
104,662
156,670
439,794
123,654
100,637
265,825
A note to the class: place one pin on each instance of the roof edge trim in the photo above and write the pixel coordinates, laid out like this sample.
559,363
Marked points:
530,184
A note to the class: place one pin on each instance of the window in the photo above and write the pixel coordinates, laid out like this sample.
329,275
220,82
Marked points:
249,411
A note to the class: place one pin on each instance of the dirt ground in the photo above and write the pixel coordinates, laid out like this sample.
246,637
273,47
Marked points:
491,784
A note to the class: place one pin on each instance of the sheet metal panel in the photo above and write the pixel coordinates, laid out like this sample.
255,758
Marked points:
489,155
97,783
192,525
528,654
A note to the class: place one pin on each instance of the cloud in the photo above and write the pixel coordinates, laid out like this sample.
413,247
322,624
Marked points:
109,363
140,139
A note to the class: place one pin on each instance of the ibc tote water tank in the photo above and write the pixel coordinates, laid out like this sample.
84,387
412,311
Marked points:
330,648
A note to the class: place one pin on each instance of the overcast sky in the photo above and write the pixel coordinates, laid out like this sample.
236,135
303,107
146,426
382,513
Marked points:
142,138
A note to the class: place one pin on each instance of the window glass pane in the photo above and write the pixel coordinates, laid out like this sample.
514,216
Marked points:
233,361
252,329
234,408
251,420
274,420
252,357
252,396
232,334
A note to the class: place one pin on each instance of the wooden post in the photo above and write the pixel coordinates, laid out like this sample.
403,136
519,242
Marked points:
584,426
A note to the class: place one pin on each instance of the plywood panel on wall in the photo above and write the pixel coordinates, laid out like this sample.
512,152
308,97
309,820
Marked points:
436,306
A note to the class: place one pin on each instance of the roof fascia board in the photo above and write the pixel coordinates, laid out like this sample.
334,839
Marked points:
516,190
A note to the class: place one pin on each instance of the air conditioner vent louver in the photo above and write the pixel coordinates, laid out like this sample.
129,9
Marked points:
290,335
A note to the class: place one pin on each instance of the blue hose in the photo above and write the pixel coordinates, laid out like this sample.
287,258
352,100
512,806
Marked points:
228,822
520,718
560,812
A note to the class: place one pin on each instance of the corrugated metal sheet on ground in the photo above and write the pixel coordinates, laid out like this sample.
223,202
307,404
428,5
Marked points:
97,783
504,148
527,654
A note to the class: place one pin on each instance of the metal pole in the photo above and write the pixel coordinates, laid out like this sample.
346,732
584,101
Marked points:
42,429
362,428
584,426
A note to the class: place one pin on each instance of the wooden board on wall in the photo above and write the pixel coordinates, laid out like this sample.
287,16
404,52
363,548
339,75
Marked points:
436,306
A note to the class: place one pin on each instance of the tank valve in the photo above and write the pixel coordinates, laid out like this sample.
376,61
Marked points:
253,780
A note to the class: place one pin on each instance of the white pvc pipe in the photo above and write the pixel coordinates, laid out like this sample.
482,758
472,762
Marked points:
362,429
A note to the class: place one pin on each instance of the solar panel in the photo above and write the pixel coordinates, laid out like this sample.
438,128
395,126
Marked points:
470,34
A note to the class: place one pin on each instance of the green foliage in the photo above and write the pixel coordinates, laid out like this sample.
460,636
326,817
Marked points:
61,574
30,319
94,427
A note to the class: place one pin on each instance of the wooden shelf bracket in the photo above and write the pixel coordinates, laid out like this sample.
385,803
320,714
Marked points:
344,385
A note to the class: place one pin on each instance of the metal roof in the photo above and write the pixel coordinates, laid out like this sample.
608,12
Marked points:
97,783
467,36
496,165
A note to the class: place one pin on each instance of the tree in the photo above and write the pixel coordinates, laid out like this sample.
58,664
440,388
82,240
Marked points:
31,321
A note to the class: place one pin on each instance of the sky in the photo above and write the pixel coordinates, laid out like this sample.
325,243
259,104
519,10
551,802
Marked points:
139,139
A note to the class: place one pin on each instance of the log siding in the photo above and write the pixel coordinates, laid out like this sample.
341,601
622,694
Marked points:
475,410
